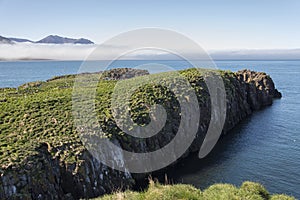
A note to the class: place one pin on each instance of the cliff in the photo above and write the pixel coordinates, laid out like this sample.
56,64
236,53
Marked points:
42,156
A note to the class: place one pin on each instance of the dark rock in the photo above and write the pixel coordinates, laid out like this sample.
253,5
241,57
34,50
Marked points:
123,73
51,178
46,176
260,88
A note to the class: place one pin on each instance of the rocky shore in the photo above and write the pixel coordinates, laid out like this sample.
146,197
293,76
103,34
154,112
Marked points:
42,156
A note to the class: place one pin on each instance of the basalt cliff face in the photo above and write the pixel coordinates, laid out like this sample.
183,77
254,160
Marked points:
42,156
252,91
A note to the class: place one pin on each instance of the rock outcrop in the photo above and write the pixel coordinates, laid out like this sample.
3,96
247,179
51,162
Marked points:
45,177
260,88
46,174
123,73
252,91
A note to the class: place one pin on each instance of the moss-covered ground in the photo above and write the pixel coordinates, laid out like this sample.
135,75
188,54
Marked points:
41,112
156,191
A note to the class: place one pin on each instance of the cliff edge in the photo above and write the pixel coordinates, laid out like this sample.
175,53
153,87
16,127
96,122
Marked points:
42,156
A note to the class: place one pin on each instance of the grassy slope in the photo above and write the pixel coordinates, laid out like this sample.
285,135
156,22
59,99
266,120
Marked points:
40,112
33,114
156,191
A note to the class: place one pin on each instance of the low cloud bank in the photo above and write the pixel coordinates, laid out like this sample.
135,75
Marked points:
256,54
21,51
27,51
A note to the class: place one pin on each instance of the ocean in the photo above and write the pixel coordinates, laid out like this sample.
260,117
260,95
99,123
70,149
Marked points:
264,148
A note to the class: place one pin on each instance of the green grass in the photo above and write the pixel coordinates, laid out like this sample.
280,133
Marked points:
156,191
41,112
35,114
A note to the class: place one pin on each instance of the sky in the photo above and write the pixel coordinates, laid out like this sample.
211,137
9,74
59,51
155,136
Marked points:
215,25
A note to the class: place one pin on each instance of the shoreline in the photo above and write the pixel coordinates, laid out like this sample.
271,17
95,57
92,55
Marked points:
242,81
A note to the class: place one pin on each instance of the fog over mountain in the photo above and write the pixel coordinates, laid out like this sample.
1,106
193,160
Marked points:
28,51
62,48
20,40
51,39
4,40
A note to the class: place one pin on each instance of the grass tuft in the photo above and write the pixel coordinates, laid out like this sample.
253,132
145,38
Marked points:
156,191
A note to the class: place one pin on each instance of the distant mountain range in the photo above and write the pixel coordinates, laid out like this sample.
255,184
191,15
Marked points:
20,40
54,39
4,40
51,39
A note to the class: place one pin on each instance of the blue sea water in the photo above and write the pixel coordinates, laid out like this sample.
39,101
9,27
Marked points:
264,148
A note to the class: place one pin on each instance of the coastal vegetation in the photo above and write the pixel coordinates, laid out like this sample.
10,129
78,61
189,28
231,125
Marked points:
40,113
42,156
156,191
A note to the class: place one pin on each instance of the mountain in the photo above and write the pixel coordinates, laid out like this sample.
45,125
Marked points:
55,39
51,39
83,41
4,40
20,40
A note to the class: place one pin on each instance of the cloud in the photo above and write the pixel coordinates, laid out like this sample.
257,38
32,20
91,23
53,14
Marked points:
27,51
256,54
21,51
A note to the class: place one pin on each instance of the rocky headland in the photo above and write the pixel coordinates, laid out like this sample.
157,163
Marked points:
42,156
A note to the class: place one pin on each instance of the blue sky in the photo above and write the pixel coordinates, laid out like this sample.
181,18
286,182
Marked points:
227,24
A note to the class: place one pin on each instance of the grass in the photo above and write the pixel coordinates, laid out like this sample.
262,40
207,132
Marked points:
41,112
156,191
